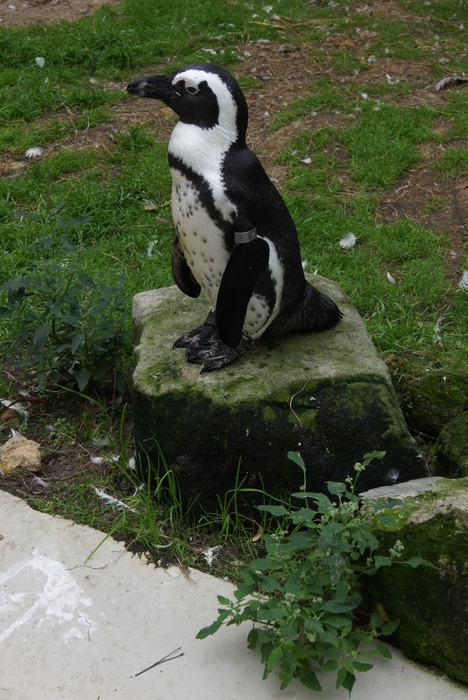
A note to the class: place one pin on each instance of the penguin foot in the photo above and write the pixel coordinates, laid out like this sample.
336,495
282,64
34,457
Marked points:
200,336
215,354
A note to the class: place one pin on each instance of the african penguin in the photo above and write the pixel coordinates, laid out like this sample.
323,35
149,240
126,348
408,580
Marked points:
235,239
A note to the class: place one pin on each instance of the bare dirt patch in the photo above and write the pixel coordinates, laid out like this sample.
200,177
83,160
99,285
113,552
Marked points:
425,196
16,13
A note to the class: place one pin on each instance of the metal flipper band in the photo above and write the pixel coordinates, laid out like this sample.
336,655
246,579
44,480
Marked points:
245,236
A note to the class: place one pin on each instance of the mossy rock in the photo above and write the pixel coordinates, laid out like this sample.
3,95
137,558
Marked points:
431,603
451,448
429,398
326,395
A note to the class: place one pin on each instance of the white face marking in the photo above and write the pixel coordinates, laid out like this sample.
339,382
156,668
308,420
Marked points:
227,106
203,150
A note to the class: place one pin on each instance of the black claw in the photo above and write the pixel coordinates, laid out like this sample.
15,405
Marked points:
215,354
199,336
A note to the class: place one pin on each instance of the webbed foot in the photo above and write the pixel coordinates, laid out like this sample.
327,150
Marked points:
215,354
199,336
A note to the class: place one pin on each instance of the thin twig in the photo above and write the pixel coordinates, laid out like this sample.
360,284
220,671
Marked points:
168,657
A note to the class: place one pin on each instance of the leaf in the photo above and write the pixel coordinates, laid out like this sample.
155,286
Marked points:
82,378
342,605
303,515
77,221
86,280
27,215
40,336
224,601
252,638
274,510
385,503
297,459
329,666
310,680
389,628
14,285
77,340
384,650
259,532
285,677
345,679
362,667
67,245
338,621
70,320
388,522
274,658
370,456
120,382
214,627
313,626
414,562
380,561
336,488
293,543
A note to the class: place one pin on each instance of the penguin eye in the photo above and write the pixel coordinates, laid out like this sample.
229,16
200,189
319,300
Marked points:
192,89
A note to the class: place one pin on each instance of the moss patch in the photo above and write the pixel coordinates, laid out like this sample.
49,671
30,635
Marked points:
451,448
430,602
429,399
326,395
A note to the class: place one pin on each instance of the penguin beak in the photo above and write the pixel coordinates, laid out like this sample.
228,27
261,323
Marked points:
158,87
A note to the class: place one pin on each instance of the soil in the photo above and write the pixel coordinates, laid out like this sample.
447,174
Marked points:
16,13
421,195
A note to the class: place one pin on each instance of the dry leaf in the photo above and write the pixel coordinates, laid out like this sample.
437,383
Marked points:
381,610
259,532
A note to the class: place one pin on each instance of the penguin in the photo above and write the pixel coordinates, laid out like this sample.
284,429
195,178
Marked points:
235,240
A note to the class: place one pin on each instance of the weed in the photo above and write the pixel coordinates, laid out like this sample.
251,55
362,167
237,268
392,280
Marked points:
303,596
67,326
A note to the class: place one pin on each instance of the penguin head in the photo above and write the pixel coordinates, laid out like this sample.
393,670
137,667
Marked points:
202,94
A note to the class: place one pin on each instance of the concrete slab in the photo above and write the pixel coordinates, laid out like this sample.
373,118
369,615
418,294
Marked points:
80,627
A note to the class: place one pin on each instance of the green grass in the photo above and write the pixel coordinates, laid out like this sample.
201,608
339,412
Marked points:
369,137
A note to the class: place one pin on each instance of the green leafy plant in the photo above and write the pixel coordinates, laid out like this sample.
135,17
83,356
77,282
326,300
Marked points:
303,596
67,326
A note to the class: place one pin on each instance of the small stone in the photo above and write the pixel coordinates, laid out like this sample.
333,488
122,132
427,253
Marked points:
20,454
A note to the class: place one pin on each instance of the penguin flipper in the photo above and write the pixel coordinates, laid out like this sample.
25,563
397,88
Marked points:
246,263
182,273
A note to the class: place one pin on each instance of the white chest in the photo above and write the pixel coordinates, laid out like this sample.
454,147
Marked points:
203,152
201,239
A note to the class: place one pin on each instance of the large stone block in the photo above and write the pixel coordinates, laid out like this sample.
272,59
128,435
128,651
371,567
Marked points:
430,602
326,395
